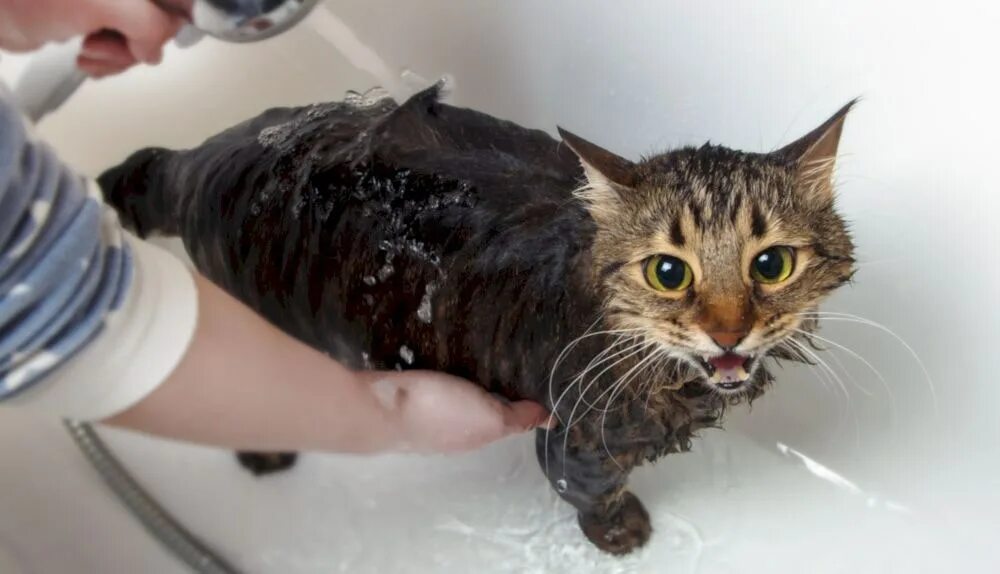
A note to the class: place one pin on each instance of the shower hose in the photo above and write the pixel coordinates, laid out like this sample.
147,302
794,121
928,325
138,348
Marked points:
170,533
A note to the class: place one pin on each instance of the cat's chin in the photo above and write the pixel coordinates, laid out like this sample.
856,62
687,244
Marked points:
728,373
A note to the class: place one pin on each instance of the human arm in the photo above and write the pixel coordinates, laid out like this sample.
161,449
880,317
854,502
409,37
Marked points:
246,385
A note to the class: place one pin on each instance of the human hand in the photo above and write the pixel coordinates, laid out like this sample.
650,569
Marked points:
117,33
435,412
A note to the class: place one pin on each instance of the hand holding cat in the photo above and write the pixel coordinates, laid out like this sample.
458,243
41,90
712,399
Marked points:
118,33
435,412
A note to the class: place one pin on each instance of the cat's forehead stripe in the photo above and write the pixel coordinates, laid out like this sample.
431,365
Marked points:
676,232
758,223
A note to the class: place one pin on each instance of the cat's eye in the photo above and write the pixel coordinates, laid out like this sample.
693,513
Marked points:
667,273
773,265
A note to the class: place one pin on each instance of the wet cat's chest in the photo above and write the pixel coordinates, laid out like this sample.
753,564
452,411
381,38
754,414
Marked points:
642,426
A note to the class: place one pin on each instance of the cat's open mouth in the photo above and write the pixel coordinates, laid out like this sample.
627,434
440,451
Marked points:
728,371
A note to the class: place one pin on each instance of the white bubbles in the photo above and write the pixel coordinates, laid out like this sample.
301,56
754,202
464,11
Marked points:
426,311
369,280
385,272
370,99
561,485
282,136
275,136
406,354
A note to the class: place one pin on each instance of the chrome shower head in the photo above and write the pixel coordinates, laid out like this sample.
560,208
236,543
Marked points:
240,21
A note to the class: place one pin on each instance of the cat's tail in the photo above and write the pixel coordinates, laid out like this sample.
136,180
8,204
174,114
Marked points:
137,190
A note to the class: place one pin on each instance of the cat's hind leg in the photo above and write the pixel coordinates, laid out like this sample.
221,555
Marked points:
261,463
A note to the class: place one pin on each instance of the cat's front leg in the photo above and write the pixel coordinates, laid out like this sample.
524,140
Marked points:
584,475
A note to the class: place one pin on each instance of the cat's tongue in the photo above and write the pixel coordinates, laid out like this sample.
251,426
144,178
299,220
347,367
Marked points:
727,362
730,369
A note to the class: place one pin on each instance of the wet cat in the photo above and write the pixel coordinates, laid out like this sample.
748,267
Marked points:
637,300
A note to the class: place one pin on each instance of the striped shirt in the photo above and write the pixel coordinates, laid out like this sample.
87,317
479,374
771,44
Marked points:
76,290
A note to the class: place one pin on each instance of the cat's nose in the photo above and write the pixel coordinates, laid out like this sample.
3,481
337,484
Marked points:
728,339
726,321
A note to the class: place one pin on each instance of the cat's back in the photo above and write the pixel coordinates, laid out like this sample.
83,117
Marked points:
416,234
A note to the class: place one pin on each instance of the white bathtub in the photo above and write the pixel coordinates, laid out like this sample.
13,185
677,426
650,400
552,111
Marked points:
883,478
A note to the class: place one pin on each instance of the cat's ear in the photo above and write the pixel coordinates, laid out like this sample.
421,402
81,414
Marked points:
608,175
815,154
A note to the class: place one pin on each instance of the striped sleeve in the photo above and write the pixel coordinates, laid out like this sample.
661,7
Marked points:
76,290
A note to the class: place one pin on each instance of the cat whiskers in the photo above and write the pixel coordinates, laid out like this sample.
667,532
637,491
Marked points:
632,342
681,374
625,336
636,349
827,371
562,354
623,382
864,361
856,319
615,358
667,369
826,380
582,375
569,347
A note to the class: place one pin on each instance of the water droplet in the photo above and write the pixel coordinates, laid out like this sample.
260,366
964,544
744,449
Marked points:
352,98
406,354
255,209
368,299
300,202
273,136
385,272
375,96
445,86
561,485
318,112
398,367
369,280
370,99
426,311
366,360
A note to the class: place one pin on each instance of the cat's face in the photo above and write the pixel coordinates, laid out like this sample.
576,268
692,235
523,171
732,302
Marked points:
716,254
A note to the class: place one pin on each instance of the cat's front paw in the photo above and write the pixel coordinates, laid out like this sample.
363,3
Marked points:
621,531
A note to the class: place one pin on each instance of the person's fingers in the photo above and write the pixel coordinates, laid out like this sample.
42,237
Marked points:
108,47
441,413
146,27
104,53
523,416
97,69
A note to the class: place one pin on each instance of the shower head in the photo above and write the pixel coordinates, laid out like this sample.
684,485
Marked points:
240,21
52,77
